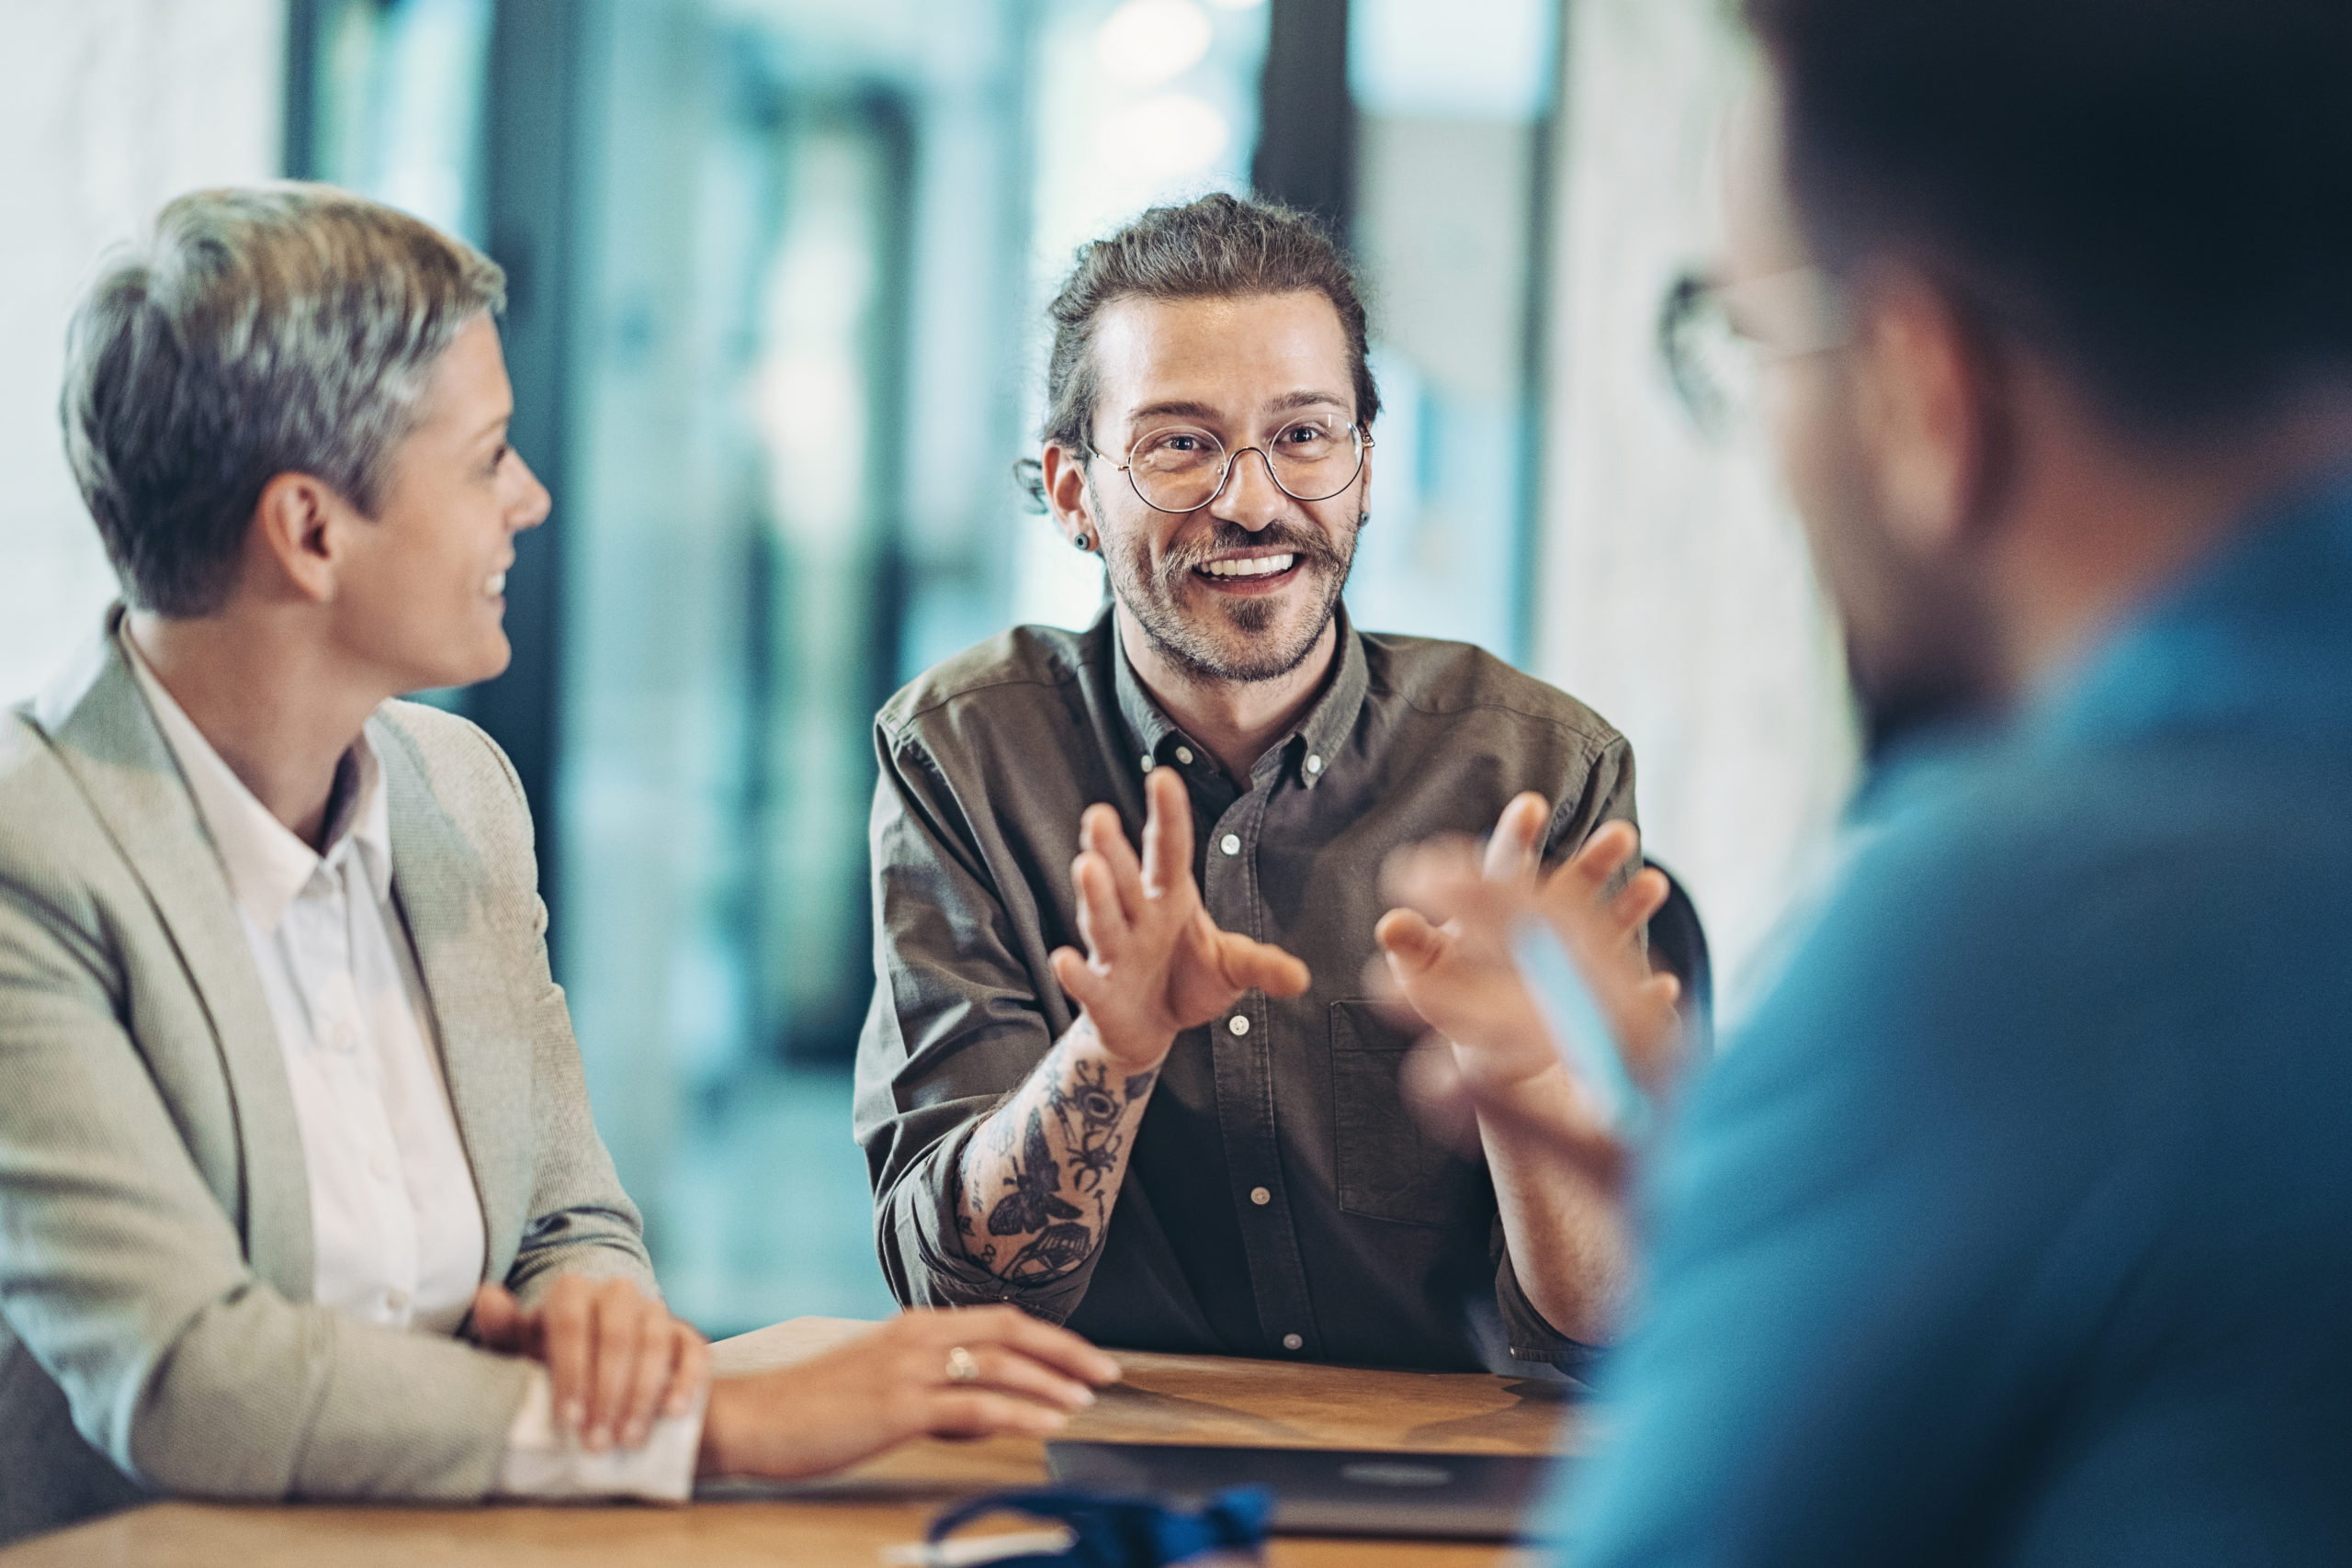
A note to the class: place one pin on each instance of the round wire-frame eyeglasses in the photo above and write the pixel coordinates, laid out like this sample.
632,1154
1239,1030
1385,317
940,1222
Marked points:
1358,439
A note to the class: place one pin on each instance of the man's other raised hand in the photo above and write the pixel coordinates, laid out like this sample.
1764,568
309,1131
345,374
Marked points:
1447,956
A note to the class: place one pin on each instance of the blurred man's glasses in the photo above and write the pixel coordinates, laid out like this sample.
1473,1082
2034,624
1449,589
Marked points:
1180,468
1715,337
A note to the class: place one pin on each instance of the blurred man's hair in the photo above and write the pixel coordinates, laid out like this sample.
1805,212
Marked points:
2158,192
1220,246
258,331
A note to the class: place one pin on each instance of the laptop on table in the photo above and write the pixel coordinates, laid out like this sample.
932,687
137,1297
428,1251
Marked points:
1465,1497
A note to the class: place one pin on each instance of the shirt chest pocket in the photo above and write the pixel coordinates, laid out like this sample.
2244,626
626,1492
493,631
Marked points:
1388,1166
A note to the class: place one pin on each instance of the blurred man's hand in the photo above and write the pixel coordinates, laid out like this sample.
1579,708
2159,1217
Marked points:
1446,955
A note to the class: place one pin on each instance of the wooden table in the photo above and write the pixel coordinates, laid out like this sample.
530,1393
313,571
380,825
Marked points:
849,1518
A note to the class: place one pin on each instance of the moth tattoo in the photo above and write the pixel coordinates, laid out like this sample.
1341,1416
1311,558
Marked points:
1035,1199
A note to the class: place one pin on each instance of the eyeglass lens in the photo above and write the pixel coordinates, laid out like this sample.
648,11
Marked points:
1712,367
1182,468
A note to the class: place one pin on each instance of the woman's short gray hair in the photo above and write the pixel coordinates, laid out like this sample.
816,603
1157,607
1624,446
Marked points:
258,331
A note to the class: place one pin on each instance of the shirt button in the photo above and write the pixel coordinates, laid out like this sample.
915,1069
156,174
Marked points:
1146,761
1184,755
1292,1342
1230,843
397,1301
1239,1023
1314,763
1261,1197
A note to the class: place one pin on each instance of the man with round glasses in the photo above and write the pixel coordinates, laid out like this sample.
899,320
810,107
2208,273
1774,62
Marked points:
1150,1092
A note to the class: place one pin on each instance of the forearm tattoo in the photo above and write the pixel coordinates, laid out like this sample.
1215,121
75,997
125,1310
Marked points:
1040,1179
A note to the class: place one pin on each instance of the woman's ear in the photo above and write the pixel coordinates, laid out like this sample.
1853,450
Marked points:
293,536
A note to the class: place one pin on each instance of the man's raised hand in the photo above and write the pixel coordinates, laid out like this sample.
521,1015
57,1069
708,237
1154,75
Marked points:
1155,963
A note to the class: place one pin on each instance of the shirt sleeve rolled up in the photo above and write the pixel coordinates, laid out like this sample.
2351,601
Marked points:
959,1020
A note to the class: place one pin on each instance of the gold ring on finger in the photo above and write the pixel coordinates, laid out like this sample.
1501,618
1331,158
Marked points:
962,1365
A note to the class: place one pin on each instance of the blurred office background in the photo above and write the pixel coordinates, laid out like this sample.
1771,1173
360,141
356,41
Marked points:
775,267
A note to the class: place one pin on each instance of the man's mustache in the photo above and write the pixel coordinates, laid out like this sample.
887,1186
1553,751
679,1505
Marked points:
1311,545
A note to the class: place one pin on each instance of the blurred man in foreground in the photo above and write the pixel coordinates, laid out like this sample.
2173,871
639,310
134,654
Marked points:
2013,1228
300,1192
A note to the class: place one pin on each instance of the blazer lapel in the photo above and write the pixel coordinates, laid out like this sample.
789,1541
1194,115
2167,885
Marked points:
98,721
485,1049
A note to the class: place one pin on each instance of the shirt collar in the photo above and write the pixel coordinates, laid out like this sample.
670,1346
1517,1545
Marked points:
2257,638
2258,635
1319,740
267,864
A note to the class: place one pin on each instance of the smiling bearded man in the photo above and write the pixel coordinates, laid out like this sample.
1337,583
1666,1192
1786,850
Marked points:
1211,1067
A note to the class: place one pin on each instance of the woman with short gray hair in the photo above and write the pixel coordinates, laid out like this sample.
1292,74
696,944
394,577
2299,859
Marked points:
300,1188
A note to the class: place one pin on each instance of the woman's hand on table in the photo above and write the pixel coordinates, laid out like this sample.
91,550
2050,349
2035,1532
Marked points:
615,1359
979,1372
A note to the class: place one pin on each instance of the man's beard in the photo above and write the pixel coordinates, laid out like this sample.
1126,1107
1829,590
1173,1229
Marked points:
1155,599
1919,638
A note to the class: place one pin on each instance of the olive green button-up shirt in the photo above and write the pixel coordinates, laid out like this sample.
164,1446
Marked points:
1281,1199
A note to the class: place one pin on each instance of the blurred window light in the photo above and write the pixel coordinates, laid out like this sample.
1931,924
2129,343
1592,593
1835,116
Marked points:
1090,135
404,92
432,97
1145,42
1237,5
814,399
1480,60
1166,138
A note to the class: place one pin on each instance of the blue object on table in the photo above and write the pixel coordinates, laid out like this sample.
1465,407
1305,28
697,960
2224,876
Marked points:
1579,1029
1124,1532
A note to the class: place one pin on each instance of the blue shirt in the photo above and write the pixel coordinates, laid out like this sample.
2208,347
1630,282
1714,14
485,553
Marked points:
2016,1227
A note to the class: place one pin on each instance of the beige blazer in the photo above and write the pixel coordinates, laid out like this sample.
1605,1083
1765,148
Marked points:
156,1331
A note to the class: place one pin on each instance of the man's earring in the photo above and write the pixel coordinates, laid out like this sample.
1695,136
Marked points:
1084,541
